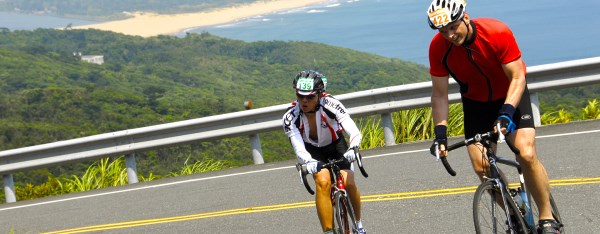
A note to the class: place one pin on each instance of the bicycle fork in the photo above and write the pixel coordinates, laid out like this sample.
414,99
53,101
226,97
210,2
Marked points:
502,200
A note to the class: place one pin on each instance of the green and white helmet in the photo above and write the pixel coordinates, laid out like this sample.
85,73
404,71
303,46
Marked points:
310,82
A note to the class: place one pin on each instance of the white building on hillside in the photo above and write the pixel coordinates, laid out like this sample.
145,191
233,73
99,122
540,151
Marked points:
97,59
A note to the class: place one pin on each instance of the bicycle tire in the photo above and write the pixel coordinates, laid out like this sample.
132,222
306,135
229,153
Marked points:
345,219
536,214
489,216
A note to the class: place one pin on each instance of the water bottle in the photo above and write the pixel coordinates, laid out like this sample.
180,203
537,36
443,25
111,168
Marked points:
518,197
523,198
525,208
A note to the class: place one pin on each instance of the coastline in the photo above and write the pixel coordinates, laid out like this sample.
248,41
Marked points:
150,24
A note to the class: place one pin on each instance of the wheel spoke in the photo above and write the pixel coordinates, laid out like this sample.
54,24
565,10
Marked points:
488,216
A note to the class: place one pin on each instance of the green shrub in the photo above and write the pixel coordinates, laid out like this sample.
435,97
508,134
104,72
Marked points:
592,110
201,166
409,125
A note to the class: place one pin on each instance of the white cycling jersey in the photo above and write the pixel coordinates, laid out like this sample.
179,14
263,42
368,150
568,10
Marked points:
332,117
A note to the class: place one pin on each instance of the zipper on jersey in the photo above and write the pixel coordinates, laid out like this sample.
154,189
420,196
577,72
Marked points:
487,79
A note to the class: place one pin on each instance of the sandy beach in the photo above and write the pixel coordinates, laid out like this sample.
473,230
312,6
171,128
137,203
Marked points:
150,24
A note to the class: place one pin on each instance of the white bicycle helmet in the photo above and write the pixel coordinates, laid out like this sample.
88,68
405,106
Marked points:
442,12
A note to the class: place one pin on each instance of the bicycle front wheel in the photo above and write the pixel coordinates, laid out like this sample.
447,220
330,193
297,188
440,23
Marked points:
345,220
489,214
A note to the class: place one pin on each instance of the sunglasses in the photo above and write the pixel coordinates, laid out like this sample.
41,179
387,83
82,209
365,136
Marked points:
308,97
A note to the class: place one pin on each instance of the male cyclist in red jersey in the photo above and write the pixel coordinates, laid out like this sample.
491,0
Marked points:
483,57
314,125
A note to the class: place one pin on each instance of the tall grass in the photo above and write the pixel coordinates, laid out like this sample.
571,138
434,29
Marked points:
409,125
201,166
554,117
102,174
591,111
372,132
105,173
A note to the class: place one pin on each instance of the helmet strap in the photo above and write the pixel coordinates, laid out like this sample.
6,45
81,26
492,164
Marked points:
318,102
467,38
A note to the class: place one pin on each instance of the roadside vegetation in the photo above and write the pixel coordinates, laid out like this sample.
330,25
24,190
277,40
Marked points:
105,173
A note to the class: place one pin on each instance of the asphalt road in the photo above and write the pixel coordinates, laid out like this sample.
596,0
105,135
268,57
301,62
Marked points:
407,191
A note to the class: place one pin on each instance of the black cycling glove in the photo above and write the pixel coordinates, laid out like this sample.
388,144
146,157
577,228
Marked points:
505,118
440,138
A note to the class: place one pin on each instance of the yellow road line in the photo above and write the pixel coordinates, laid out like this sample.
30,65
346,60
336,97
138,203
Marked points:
257,209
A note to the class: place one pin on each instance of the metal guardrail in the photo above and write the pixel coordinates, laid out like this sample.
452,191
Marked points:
381,101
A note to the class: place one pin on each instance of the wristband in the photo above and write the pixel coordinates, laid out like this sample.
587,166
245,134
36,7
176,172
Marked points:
440,131
508,110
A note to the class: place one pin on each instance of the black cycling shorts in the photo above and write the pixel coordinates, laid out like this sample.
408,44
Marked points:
334,150
479,117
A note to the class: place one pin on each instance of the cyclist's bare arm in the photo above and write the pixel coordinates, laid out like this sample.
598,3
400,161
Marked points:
439,102
439,99
515,71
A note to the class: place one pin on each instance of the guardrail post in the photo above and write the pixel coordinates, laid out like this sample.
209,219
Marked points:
9,188
388,129
256,149
535,108
254,140
132,177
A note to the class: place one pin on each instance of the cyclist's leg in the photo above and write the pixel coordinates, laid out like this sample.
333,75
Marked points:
323,199
479,117
480,166
353,191
323,185
534,172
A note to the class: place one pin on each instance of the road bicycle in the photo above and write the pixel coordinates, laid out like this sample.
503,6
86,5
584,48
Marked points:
344,217
497,206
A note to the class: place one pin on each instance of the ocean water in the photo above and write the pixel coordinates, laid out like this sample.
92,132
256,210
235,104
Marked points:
547,31
18,21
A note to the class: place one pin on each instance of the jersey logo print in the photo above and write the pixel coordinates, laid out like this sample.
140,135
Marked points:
334,106
526,117
287,122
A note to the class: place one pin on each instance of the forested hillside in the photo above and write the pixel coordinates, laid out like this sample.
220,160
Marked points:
48,94
113,9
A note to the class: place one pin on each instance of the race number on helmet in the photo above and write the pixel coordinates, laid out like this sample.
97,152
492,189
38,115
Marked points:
305,84
442,12
309,82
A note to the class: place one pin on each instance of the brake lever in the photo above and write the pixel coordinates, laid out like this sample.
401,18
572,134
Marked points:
437,151
299,169
500,135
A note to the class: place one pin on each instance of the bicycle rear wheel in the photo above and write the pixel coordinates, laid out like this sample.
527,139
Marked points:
345,220
491,217
536,214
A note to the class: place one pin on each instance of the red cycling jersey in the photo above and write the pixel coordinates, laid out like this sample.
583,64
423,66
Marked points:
477,64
